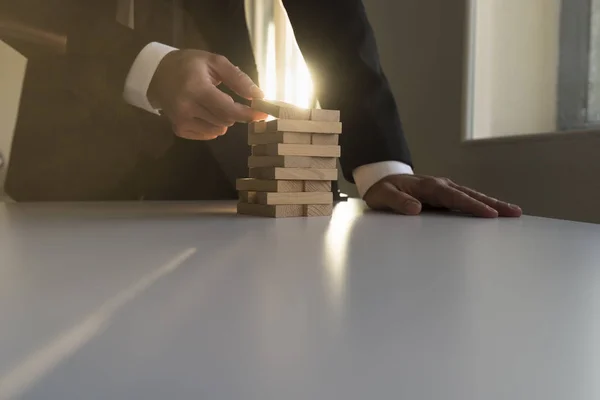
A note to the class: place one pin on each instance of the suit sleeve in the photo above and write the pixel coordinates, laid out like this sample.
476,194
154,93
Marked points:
98,50
339,46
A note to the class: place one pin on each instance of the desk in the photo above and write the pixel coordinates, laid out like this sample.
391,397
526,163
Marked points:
189,301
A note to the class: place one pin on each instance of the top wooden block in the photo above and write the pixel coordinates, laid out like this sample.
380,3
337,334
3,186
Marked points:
282,110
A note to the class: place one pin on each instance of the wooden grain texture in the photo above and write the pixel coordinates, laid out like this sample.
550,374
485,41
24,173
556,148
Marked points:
321,139
272,211
282,186
316,186
262,185
301,174
309,150
282,137
285,210
288,125
317,114
281,109
287,198
247,197
257,127
292,162
318,210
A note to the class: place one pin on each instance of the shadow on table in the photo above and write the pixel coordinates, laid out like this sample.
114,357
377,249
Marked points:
428,210
123,210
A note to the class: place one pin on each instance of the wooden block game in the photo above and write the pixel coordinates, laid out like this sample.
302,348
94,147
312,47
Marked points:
293,162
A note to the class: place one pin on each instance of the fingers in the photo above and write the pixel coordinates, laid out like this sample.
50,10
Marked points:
209,116
504,209
205,114
235,79
197,129
454,199
385,196
222,106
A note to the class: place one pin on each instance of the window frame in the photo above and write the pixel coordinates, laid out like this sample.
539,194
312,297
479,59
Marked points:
574,65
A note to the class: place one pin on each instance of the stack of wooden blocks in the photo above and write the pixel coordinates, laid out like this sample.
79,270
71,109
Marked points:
293,162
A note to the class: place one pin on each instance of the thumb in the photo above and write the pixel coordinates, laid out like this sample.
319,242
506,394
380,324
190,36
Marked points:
386,196
236,80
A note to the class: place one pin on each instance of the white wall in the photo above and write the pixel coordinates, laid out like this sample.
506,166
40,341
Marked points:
12,72
516,52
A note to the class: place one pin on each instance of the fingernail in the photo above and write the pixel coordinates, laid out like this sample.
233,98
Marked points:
514,206
412,206
256,92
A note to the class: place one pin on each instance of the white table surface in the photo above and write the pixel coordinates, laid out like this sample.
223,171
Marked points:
190,301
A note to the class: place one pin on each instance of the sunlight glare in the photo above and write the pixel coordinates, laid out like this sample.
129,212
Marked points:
337,240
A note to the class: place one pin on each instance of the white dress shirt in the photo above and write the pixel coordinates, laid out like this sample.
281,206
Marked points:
143,68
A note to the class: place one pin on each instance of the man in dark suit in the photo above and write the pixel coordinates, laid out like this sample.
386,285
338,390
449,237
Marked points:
97,118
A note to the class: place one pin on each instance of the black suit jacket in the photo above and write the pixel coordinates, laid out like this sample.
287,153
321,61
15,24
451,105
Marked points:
76,138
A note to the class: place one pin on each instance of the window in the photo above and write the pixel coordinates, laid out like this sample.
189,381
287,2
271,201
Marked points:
534,67
283,73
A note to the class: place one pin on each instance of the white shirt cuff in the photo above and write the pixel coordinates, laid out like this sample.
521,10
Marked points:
367,175
141,73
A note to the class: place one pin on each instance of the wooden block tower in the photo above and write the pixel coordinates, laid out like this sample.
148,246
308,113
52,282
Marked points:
293,162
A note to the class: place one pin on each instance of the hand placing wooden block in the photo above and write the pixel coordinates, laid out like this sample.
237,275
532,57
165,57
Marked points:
307,150
294,174
281,110
282,186
288,125
292,162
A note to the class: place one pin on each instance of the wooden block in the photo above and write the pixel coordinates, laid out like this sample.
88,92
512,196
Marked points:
281,110
301,174
308,150
316,186
273,211
288,125
282,186
247,197
289,198
318,210
292,162
258,126
282,137
322,139
317,114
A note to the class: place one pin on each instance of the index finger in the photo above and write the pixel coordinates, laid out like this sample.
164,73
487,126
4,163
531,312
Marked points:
454,199
223,106
236,79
